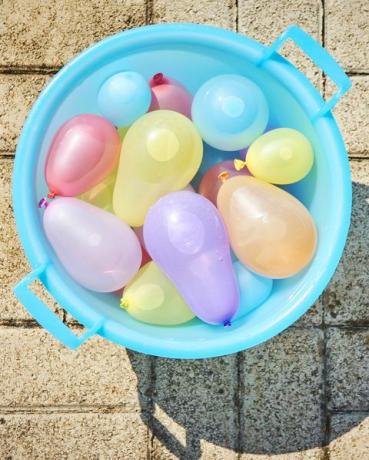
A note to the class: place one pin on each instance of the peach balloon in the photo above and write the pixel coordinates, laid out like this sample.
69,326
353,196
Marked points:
215,176
271,232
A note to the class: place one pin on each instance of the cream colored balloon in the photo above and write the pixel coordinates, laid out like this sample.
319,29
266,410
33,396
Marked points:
102,194
271,232
152,298
280,156
161,153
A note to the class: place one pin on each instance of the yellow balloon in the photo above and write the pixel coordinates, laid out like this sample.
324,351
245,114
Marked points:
280,156
151,298
270,231
161,153
102,194
122,132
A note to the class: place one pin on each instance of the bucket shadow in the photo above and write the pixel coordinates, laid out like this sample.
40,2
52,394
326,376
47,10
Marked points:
192,406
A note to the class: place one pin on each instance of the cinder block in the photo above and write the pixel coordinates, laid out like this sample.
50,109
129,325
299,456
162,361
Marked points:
73,435
348,369
313,317
13,264
37,33
346,298
316,453
221,13
349,434
36,370
195,408
265,21
352,116
17,94
281,402
347,33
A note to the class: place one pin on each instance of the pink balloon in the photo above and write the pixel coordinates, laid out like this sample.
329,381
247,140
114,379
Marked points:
97,249
83,152
169,94
215,176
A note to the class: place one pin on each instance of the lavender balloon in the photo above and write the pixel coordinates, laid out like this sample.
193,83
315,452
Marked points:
185,235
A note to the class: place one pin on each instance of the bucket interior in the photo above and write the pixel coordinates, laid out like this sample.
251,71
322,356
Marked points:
193,65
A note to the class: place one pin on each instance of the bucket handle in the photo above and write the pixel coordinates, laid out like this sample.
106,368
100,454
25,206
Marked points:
320,57
45,317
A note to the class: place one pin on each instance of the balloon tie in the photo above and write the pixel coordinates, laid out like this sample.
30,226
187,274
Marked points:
158,78
124,303
239,164
227,323
43,203
223,176
51,195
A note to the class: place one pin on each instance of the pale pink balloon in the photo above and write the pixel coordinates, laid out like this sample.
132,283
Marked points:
83,152
169,94
215,176
97,249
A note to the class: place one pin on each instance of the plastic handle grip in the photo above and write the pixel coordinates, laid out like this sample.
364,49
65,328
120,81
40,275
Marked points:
45,317
320,57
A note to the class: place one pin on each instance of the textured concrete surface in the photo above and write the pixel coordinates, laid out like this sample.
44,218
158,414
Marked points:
17,94
13,264
76,435
273,19
48,34
352,115
348,369
314,316
39,371
346,298
347,33
277,390
347,434
303,395
199,396
221,13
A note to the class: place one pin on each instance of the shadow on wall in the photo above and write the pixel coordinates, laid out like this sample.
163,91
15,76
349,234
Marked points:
267,400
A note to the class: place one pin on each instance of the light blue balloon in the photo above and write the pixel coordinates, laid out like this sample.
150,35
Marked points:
124,97
254,289
230,112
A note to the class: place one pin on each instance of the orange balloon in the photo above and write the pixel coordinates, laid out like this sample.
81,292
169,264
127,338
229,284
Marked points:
271,232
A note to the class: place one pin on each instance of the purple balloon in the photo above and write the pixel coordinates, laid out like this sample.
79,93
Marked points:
185,235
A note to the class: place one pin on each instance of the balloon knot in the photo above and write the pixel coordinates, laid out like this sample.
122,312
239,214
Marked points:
239,164
158,78
43,203
124,303
227,323
51,195
223,176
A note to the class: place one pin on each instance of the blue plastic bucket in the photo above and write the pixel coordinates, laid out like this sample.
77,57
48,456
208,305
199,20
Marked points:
191,54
